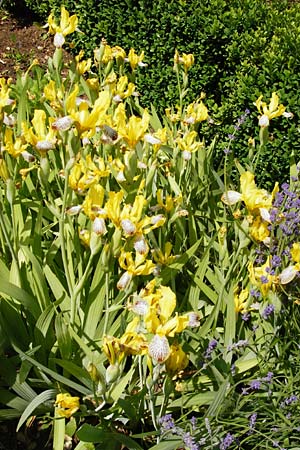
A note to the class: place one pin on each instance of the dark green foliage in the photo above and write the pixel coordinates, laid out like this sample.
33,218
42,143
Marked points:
242,49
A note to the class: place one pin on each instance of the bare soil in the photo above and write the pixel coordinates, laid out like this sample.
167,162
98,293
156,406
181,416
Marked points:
21,40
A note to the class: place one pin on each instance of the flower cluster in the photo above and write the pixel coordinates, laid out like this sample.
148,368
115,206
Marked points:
151,328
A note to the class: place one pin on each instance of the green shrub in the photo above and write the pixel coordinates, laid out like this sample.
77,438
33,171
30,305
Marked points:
241,49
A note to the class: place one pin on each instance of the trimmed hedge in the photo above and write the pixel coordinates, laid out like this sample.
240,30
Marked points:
242,49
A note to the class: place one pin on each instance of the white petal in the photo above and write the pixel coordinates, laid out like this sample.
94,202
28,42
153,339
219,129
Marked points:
186,155
265,215
231,197
140,307
287,275
59,40
45,145
28,156
140,245
99,226
62,123
120,177
151,139
288,115
159,349
263,121
124,281
128,227
73,210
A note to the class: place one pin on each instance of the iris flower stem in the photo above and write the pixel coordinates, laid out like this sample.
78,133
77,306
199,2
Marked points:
9,244
179,90
106,303
78,289
152,411
63,245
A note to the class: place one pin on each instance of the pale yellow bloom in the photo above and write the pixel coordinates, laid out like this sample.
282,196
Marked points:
121,89
93,202
4,173
82,66
166,203
133,267
66,404
260,278
85,237
41,135
14,146
133,129
131,343
196,112
130,217
134,59
188,144
66,26
289,273
177,360
87,172
54,95
136,266
86,119
253,197
271,111
241,300
259,229
295,252
4,93
187,60
164,258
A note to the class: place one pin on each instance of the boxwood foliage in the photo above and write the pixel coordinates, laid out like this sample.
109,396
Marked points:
242,49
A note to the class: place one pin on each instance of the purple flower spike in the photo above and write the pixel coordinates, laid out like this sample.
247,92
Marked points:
267,312
227,441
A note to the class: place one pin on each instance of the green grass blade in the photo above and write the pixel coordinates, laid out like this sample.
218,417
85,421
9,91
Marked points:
34,404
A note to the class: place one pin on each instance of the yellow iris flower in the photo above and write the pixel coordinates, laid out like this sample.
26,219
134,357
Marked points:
295,252
196,112
66,26
4,94
260,278
14,147
188,144
121,88
269,112
131,343
289,273
87,172
4,173
241,300
133,267
134,59
66,404
259,229
164,258
177,360
92,205
253,197
82,66
86,119
133,129
129,218
41,136
187,60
